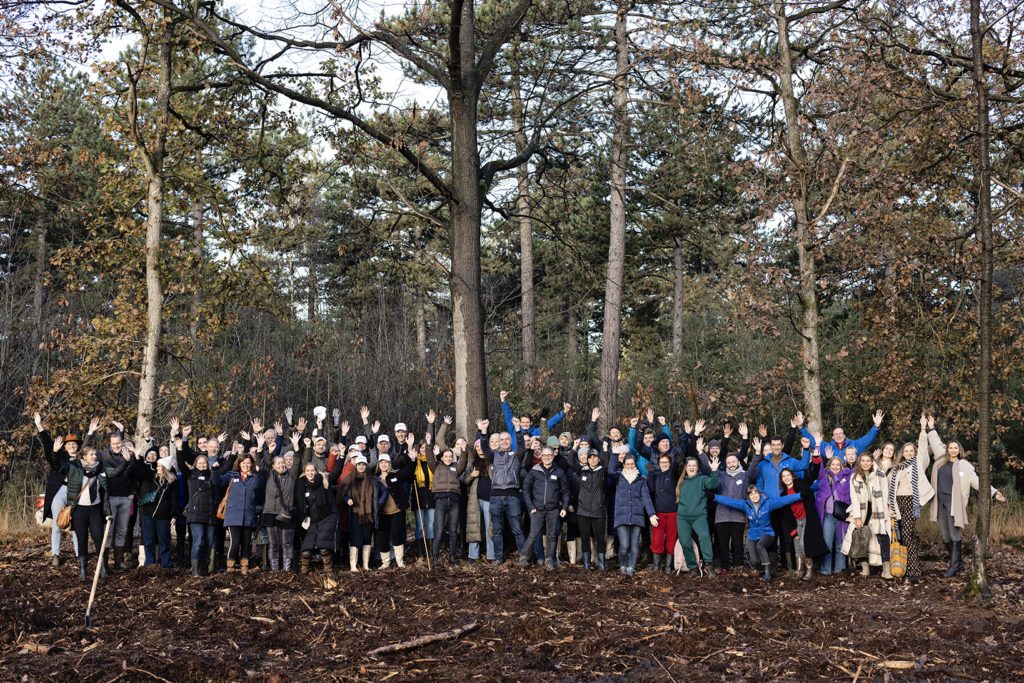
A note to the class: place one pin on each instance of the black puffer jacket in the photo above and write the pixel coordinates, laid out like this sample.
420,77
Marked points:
594,487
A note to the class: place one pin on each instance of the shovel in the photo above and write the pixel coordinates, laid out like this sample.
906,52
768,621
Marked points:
96,575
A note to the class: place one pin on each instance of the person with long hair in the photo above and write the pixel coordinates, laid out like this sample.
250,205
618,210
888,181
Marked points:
633,508
801,526
56,492
832,501
869,494
909,491
316,509
692,513
953,477
240,514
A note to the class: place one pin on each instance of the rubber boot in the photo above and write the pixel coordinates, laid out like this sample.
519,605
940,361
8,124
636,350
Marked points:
600,562
385,560
669,562
366,557
231,566
400,556
865,569
245,565
767,571
83,568
304,561
288,553
657,562
353,559
275,564
570,549
586,561
609,546
118,559
886,574
955,563
799,567
195,568
808,567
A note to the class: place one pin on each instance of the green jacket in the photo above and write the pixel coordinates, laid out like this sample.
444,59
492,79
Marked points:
692,502
75,474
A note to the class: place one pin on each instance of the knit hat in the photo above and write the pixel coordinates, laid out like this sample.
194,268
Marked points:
383,457
567,435
357,459
659,438
715,443
400,427
553,442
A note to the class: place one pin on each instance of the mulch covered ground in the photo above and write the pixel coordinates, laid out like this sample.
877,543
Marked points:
567,625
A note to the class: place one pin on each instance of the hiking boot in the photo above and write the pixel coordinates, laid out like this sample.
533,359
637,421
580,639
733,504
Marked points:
304,561
245,565
231,567
55,561
101,559
956,564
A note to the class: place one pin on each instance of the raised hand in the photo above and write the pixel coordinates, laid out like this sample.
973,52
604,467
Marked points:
878,417
924,421
633,421
260,440
743,430
757,445
437,450
649,415
481,426
57,443
410,440
727,430
798,420
301,424
175,424
504,395
245,435
375,427
448,419
295,440
566,408
700,444
279,428
336,415
698,428
94,424
117,425
762,431
431,416
288,414
38,419
931,422
829,452
344,428
516,423
222,437
364,413
817,436
308,442
714,463
595,414
257,425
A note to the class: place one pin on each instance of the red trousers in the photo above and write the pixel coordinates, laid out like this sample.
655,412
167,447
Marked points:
663,536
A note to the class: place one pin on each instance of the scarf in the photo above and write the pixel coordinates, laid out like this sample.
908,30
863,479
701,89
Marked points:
630,475
361,491
912,466
733,472
877,511
424,475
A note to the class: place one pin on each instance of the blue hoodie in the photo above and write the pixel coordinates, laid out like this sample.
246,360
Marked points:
759,518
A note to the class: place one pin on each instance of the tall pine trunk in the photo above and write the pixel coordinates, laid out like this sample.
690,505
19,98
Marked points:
983,173
808,295
529,319
154,224
618,158
467,309
677,306
38,296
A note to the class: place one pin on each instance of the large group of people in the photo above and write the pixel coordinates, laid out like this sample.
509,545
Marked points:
313,495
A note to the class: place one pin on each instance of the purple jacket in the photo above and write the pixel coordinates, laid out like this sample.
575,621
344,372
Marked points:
835,486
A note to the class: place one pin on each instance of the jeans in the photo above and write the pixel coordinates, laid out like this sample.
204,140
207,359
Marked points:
446,518
832,532
149,541
485,531
202,542
510,507
120,511
629,544
424,518
157,532
538,521
759,549
60,499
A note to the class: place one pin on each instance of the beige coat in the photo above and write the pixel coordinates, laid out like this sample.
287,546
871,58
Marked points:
860,496
901,479
965,478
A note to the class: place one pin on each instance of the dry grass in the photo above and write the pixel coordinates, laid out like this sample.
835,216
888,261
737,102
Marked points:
17,507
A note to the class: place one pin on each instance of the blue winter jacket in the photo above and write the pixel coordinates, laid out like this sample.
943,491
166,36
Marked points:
244,498
632,502
860,444
759,518
506,411
768,473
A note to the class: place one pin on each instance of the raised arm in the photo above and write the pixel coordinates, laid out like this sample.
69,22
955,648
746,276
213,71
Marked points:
863,442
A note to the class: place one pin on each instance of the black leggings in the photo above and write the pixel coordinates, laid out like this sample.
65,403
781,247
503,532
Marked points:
391,532
730,544
591,528
87,520
241,542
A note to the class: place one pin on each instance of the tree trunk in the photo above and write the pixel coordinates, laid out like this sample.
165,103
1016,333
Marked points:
154,223
38,292
983,172
529,321
573,325
467,310
677,306
421,329
611,342
312,290
197,251
810,361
